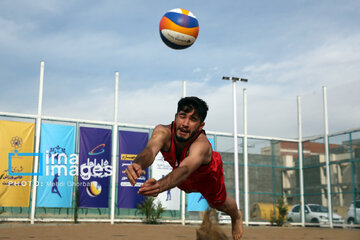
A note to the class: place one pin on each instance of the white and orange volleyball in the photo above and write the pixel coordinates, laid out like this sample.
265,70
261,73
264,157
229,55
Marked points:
94,189
179,28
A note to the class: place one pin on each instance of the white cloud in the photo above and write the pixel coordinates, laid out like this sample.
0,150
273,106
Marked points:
327,64
196,70
81,42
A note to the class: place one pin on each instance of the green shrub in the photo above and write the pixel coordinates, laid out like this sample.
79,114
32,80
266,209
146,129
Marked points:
151,210
278,217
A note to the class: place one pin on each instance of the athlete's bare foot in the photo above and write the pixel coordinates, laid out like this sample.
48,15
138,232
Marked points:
237,227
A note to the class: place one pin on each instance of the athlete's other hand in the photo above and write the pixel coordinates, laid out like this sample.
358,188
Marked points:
133,172
150,188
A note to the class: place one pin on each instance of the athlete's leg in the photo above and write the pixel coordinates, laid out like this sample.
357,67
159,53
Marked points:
230,208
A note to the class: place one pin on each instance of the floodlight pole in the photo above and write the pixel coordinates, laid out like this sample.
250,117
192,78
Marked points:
236,160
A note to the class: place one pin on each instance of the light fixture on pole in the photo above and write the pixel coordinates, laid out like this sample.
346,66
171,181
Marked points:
236,160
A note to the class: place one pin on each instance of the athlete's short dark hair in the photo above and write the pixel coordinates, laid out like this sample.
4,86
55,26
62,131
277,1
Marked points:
187,104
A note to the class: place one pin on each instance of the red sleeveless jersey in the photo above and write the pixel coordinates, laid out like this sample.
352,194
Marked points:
207,179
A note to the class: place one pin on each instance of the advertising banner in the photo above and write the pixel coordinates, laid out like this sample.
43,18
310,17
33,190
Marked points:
95,167
170,199
196,202
130,144
16,162
55,185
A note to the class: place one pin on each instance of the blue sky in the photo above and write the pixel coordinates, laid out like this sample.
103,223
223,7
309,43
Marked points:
285,48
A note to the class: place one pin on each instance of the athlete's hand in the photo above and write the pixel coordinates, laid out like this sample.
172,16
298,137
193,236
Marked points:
133,172
150,188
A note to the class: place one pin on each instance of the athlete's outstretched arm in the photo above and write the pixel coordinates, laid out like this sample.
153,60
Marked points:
198,154
147,156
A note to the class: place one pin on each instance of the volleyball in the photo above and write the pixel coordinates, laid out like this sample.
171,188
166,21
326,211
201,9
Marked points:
179,28
94,189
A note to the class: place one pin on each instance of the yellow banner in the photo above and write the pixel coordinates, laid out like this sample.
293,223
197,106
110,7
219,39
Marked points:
16,137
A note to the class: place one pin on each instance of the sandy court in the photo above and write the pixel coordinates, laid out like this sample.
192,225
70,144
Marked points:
160,232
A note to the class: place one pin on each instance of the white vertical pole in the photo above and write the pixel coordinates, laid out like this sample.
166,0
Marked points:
37,144
114,149
326,141
184,89
246,167
236,160
301,164
182,192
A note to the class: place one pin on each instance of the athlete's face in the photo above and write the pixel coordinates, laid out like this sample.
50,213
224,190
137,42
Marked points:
187,125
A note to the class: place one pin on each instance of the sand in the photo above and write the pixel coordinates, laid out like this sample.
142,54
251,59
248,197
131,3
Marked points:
122,231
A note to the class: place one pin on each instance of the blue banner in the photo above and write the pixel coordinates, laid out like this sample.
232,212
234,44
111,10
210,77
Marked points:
196,201
130,144
95,167
212,142
55,185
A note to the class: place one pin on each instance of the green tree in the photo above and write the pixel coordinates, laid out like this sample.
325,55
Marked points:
151,210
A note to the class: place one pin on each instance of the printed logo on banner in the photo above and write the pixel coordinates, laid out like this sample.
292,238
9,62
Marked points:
55,188
129,157
95,168
55,154
99,149
56,162
94,189
56,151
16,143
168,192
